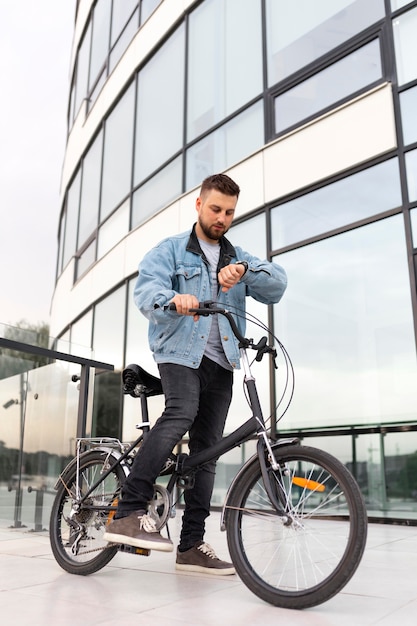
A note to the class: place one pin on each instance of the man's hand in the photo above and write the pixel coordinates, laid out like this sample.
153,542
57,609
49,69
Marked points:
184,302
230,275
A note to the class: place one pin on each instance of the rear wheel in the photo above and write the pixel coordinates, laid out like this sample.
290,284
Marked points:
305,558
76,534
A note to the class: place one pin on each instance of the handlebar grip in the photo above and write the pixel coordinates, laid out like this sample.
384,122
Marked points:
201,305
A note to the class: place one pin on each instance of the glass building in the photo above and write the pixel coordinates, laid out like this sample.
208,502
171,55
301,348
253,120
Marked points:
310,107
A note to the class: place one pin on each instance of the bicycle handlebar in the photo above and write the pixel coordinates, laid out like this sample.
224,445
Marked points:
209,308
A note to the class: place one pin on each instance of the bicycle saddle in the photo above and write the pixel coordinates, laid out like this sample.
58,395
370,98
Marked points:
138,381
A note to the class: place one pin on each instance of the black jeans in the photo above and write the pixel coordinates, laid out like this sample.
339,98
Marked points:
197,401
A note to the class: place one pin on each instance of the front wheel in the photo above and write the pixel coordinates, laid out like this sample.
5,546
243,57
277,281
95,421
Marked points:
307,556
76,532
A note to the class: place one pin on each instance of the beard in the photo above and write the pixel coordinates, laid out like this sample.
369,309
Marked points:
211,232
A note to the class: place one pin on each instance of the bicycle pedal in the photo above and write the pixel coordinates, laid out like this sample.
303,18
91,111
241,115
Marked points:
134,550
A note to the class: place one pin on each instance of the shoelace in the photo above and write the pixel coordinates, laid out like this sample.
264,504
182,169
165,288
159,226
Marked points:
147,524
205,548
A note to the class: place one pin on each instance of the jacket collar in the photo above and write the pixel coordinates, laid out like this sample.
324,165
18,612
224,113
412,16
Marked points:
227,251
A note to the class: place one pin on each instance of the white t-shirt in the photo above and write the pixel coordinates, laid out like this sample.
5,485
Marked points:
214,349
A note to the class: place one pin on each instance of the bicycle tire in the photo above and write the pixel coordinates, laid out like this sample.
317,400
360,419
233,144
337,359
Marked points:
308,561
81,550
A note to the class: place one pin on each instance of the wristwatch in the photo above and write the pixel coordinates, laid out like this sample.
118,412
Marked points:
245,265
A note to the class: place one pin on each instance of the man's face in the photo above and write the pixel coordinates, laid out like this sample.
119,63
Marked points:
215,215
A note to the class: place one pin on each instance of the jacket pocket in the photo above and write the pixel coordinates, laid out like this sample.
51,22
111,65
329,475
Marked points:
188,279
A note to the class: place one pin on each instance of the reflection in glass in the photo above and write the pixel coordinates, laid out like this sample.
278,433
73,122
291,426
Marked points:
345,77
117,163
347,323
157,192
160,106
408,102
371,191
225,146
73,201
300,32
90,191
113,230
405,44
411,167
225,70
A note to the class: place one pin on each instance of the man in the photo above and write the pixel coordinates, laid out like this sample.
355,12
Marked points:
196,357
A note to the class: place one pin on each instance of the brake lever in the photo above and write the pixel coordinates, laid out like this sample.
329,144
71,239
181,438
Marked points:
262,348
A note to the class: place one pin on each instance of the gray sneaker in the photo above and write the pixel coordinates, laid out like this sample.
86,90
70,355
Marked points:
202,558
139,530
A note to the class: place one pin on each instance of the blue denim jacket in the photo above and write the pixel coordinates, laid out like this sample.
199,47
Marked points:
177,265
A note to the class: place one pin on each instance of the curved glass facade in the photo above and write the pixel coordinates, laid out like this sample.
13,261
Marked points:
312,111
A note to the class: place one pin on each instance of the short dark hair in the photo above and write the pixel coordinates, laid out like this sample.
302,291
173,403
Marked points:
222,183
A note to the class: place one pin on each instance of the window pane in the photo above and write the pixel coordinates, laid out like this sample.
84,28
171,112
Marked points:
124,40
300,32
109,315
113,229
371,191
82,70
397,4
108,340
100,38
348,328
61,242
405,44
160,107
250,235
148,7
73,202
137,351
408,102
86,259
354,72
229,144
413,216
117,166
81,336
225,70
122,12
411,167
90,191
157,192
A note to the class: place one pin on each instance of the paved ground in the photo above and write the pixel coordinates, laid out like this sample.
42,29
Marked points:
144,591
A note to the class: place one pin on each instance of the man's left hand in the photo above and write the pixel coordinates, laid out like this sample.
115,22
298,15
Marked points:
230,275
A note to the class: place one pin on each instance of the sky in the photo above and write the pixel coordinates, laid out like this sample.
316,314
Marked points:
35,51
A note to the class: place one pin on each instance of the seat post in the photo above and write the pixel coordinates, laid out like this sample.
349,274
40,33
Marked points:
145,424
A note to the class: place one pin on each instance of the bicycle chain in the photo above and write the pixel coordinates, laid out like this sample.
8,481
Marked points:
109,545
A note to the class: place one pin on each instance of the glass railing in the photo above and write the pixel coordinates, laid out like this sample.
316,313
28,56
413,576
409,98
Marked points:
45,404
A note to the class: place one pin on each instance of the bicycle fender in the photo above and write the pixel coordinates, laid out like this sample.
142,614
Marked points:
66,472
253,459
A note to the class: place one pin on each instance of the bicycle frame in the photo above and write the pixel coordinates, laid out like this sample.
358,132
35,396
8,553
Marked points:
255,425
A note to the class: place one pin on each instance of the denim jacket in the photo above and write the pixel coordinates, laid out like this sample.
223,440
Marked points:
178,265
